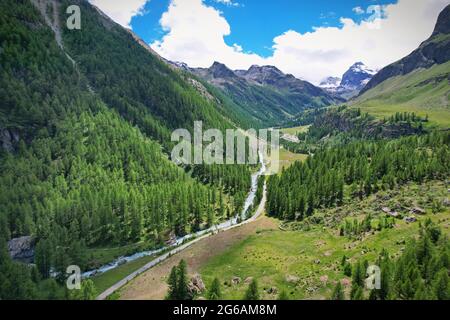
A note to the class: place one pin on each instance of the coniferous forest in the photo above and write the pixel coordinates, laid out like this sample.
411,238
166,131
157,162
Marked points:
87,179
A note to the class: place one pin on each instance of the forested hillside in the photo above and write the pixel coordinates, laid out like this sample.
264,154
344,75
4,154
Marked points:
83,124
361,168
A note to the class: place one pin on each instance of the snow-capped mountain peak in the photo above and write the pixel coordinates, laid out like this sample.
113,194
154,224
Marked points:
330,84
353,81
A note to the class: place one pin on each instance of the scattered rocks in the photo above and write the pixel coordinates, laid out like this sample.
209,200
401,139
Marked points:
22,248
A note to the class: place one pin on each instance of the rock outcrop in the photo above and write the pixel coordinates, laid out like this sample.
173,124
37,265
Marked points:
22,249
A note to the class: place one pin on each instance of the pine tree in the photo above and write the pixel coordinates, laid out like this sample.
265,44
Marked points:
338,293
182,282
214,292
172,281
44,257
441,285
252,291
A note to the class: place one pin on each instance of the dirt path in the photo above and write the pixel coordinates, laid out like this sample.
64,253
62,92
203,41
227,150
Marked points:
151,285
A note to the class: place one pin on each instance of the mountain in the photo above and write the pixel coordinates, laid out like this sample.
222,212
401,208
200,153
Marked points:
435,50
417,83
264,93
352,82
331,84
357,77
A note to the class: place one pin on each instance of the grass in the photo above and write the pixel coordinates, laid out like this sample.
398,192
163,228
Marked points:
313,256
286,159
296,130
413,92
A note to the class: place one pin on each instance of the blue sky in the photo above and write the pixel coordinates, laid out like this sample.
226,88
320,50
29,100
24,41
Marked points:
311,39
255,23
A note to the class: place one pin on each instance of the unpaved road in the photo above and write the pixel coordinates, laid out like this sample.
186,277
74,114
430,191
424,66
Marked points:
151,285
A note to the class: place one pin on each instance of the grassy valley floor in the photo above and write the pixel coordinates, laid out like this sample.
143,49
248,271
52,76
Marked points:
306,264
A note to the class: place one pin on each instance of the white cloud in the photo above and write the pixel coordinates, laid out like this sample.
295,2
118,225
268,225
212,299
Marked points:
230,3
121,11
358,10
195,35
377,41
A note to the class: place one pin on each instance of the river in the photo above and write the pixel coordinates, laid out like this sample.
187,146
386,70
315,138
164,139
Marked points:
179,241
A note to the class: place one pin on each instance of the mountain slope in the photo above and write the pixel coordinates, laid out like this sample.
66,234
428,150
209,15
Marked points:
417,83
265,93
83,119
435,50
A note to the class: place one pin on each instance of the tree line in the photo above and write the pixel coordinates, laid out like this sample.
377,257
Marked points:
360,169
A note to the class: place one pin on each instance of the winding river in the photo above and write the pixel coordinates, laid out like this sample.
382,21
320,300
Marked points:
182,240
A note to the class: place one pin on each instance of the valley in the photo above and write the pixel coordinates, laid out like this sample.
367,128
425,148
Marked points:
89,120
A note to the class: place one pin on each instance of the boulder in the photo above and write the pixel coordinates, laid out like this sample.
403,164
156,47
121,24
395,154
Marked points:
446,202
22,248
248,280
235,280
272,290
418,210
292,279
196,285
410,219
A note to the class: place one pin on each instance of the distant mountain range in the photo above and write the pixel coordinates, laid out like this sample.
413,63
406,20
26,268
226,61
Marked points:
264,93
351,83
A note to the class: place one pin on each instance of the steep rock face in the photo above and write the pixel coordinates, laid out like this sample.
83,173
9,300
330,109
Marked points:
363,126
22,248
435,50
8,139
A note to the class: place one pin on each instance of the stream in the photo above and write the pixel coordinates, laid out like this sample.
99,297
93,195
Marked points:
224,225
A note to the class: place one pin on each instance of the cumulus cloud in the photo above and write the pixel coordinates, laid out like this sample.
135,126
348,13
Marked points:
377,41
195,35
121,11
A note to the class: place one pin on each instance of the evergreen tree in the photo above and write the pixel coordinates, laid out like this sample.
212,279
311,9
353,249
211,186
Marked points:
252,291
182,283
214,292
172,281
338,293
